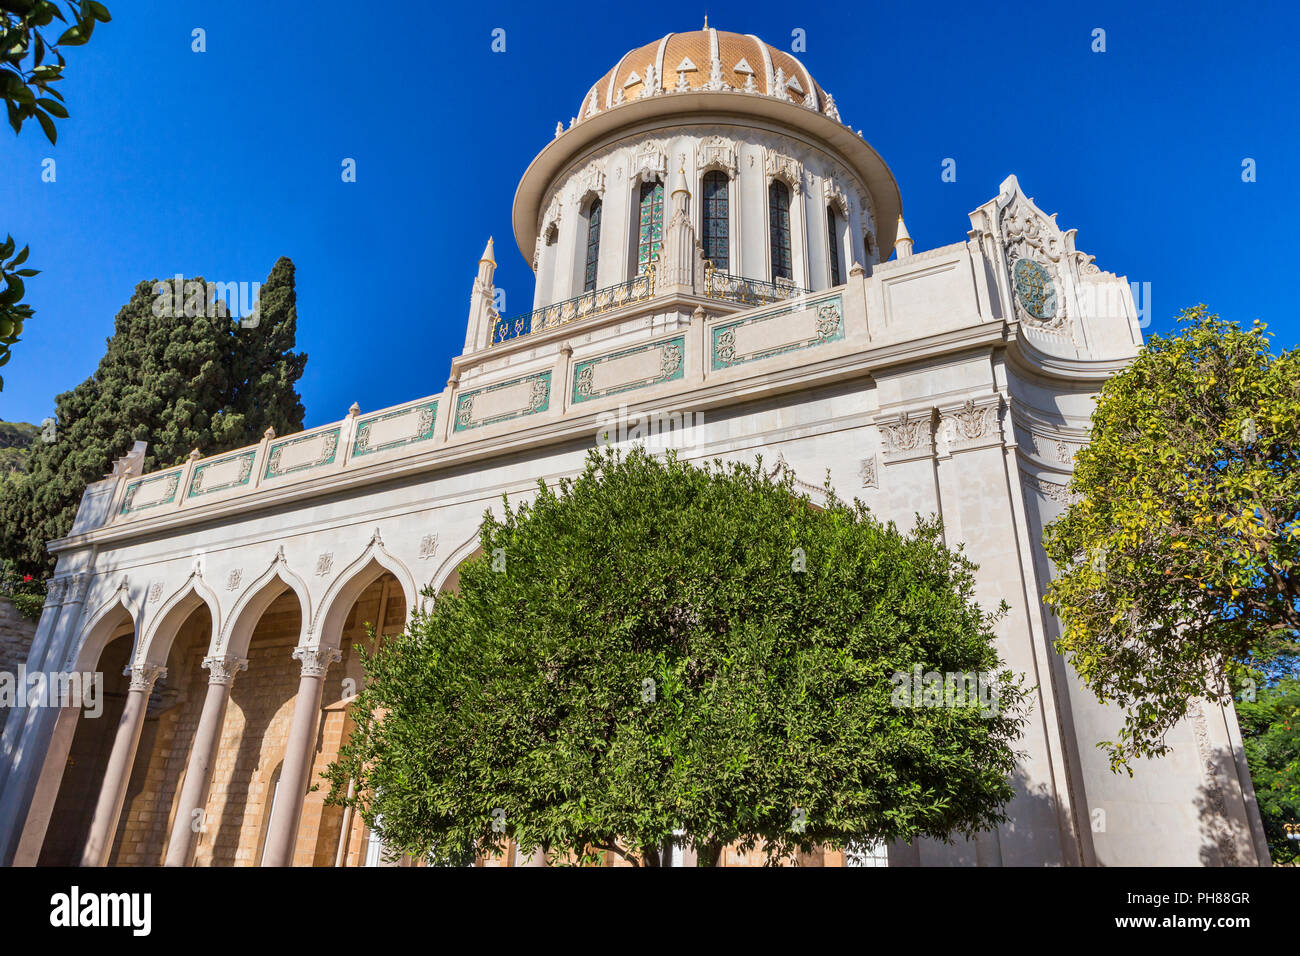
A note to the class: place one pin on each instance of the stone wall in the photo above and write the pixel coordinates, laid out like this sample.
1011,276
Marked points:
16,633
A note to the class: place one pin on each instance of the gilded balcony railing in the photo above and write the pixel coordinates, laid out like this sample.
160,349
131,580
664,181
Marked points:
579,307
733,288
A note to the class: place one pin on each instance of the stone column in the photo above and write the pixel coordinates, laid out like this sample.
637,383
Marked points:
282,833
103,825
198,771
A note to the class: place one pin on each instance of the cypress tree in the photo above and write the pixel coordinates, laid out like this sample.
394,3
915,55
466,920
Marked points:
173,380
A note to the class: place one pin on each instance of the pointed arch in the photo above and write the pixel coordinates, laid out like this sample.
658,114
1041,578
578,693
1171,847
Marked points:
101,627
257,597
353,580
438,582
160,632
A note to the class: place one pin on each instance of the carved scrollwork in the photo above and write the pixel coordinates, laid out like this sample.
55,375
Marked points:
786,168
909,432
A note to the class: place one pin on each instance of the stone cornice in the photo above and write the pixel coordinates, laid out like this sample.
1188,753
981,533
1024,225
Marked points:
1024,356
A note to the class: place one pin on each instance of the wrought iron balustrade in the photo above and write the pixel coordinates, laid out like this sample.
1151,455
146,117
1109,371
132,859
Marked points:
717,285
579,307
734,288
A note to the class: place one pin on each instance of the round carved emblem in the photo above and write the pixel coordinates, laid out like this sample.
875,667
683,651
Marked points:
1036,290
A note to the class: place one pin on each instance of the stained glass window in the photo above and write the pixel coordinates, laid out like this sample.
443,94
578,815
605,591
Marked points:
778,201
593,246
717,245
833,231
650,228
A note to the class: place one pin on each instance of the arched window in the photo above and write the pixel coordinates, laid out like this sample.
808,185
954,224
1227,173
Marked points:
593,246
833,235
778,202
715,211
650,225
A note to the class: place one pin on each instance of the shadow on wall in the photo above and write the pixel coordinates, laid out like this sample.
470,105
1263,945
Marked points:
1225,836
1030,837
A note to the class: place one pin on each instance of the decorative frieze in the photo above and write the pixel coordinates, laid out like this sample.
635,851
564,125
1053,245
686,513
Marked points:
500,403
293,455
406,426
220,474
151,492
638,367
787,329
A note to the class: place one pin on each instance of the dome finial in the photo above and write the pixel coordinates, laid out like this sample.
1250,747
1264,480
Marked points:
706,19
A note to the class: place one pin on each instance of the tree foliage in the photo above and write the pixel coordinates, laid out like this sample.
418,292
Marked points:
176,381
27,81
16,439
14,313
654,647
30,63
1176,562
1270,730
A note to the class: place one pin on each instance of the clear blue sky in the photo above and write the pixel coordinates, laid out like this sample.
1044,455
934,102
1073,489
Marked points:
217,163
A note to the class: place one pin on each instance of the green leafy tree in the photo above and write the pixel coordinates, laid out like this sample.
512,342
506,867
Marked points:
14,313
174,380
27,78
1270,730
1175,565
654,648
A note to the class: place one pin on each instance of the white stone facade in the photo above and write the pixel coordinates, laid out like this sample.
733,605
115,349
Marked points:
956,381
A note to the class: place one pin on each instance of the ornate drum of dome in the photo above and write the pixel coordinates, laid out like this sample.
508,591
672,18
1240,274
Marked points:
794,194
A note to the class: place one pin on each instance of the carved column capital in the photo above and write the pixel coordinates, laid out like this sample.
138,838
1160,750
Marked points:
316,660
908,434
224,669
973,424
144,675
76,586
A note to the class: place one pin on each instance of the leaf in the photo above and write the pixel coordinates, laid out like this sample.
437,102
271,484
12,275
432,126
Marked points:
72,36
99,11
47,124
54,107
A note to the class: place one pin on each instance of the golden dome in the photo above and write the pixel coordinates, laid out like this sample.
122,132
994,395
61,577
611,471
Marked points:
704,60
